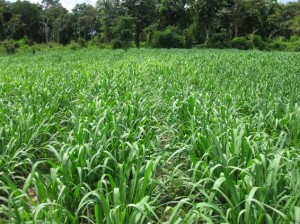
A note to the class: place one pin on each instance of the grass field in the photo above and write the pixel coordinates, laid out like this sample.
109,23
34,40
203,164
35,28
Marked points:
150,136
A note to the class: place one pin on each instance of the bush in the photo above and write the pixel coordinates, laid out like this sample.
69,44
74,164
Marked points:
95,42
293,46
16,45
201,46
241,43
10,49
279,44
295,38
219,37
74,46
53,45
26,41
169,39
10,46
82,42
117,44
259,43
222,45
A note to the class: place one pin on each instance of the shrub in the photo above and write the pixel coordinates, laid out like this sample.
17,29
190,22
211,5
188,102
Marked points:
293,46
190,41
241,43
295,38
53,45
201,46
26,41
74,46
259,43
82,42
95,42
16,44
10,49
117,44
222,45
10,46
219,37
169,39
279,44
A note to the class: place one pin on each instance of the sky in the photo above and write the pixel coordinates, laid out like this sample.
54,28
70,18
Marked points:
69,4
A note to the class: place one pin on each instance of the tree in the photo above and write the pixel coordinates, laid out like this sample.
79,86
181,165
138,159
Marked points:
109,11
14,25
213,22
3,10
50,3
238,15
52,20
206,14
175,13
124,31
256,16
143,14
86,20
29,15
295,27
283,20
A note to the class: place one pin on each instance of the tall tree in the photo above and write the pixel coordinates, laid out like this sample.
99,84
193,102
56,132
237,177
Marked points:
143,14
14,25
52,20
238,15
124,30
30,15
283,20
86,20
175,13
3,10
206,13
109,11
50,3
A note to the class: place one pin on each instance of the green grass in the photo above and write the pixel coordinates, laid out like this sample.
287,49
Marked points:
150,136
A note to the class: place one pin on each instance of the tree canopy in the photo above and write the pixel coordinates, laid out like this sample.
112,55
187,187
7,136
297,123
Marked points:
198,21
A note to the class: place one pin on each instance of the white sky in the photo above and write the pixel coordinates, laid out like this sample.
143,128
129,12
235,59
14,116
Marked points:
69,4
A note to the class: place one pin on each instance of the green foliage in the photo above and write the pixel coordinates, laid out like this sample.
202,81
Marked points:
118,44
158,136
201,23
74,45
258,42
10,49
295,38
97,41
53,45
26,41
241,43
123,32
169,38
11,46
282,45
82,42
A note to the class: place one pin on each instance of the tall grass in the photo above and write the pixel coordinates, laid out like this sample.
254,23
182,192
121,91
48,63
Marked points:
150,136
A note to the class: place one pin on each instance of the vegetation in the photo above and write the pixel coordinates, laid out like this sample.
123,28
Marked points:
125,23
150,136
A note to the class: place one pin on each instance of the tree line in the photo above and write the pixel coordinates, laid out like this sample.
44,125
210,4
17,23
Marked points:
160,23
